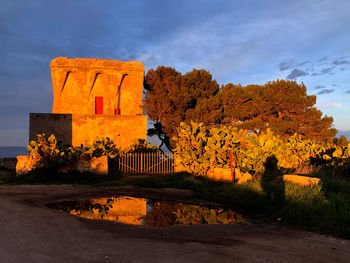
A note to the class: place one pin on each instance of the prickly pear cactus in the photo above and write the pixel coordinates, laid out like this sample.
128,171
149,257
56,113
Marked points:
202,149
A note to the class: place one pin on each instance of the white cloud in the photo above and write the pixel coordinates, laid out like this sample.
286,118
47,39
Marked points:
331,106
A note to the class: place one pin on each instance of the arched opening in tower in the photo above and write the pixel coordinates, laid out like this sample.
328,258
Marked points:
117,110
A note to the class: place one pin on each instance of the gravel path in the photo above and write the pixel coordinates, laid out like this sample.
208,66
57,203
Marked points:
31,232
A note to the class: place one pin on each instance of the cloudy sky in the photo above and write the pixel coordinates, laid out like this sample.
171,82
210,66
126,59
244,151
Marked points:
237,41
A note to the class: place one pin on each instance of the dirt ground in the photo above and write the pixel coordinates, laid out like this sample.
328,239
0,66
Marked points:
31,232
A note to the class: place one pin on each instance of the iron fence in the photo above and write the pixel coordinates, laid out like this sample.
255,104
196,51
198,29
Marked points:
143,163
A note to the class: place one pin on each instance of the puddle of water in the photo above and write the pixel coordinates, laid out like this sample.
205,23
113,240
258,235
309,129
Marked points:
141,211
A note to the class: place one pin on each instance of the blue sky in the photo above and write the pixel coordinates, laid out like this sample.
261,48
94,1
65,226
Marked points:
243,42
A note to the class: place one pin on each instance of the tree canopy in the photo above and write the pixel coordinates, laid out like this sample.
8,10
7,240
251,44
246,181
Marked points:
342,141
172,98
283,106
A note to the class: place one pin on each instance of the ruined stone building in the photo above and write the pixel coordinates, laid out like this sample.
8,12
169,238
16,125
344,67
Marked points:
94,97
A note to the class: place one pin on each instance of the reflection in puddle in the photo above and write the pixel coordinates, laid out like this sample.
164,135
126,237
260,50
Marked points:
140,211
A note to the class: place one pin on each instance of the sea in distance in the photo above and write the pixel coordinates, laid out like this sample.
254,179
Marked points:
13,151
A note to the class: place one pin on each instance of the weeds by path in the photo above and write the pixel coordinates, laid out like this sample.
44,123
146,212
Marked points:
323,208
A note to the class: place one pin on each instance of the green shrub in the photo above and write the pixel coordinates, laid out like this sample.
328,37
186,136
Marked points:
50,154
100,147
141,146
201,149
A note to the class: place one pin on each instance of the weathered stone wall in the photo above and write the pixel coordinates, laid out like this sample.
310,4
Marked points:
76,83
225,175
8,163
75,129
301,180
58,124
25,163
178,166
96,165
217,174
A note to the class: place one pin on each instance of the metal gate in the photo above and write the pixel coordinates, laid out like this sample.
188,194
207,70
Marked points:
145,163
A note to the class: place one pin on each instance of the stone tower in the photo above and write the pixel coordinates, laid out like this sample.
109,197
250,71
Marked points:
94,97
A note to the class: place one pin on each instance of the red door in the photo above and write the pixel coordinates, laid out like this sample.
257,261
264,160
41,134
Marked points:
98,105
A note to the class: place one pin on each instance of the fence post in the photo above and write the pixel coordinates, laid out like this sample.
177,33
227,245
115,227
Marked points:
141,164
152,158
148,162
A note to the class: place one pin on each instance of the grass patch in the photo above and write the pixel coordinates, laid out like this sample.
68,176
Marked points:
323,208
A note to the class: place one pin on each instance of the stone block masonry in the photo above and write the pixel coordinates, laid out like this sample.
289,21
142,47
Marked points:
96,165
77,83
8,163
77,129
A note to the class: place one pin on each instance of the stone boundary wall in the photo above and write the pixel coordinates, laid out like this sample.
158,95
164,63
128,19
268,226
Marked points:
224,174
8,163
217,174
301,180
96,165
25,163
